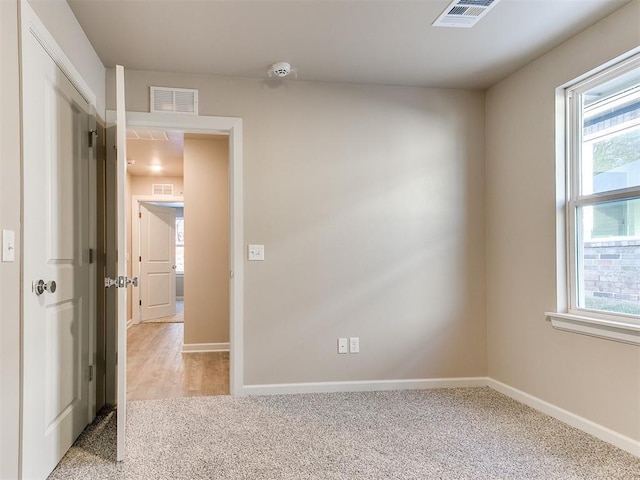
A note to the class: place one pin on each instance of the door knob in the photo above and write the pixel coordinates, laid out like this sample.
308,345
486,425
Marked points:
41,286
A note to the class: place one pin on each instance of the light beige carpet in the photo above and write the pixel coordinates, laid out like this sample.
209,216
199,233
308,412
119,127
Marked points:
465,433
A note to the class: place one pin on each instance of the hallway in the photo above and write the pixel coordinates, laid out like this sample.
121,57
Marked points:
157,368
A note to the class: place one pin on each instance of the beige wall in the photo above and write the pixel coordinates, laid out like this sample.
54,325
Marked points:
206,214
370,204
594,378
10,284
63,26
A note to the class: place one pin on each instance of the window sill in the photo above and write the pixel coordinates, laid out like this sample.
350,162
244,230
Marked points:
617,331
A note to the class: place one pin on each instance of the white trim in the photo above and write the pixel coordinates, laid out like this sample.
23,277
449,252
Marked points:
569,247
364,386
232,126
205,347
603,433
596,327
130,323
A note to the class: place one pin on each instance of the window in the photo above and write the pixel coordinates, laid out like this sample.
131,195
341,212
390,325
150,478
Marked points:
180,244
603,195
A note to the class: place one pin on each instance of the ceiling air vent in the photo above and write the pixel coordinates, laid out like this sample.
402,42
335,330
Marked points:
464,13
174,100
162,189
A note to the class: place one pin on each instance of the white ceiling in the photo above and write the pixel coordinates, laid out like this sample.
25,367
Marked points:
386,42
166,154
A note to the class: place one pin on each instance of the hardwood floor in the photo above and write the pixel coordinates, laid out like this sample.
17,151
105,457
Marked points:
157,368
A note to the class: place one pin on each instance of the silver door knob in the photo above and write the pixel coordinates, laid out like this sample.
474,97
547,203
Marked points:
41,286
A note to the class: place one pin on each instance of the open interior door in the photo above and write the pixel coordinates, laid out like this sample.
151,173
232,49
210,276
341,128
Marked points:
117,281
157,261
121,165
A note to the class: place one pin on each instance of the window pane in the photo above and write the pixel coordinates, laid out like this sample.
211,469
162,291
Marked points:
180,259
609,257
179,230
611,135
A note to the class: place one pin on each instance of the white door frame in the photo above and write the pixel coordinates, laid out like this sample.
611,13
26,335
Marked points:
233,127
136,200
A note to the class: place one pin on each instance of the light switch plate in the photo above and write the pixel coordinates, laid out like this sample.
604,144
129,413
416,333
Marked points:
255,253
354,344
8,246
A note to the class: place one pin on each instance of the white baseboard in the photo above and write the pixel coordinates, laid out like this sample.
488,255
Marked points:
205,347
363,386
603,433
130,322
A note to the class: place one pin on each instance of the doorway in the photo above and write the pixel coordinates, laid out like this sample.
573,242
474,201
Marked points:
172,355
116,226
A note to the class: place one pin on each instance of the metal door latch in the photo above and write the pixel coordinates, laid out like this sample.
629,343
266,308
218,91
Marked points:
120,282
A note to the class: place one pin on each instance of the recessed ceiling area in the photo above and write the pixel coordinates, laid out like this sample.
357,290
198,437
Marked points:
160,153
155,153
387,42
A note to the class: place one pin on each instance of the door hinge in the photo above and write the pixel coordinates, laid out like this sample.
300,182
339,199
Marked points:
139,214
92,136
140,258
92,255
140,302
90,373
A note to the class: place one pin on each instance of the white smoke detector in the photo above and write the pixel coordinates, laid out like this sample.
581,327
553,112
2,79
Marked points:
281,69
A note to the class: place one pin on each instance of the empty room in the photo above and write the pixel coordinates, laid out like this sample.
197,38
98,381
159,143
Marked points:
421,258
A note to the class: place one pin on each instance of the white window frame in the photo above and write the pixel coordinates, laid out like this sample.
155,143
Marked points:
180,244
569,317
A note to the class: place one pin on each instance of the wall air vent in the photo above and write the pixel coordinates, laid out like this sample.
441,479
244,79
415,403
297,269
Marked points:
464,13
174,100
162,189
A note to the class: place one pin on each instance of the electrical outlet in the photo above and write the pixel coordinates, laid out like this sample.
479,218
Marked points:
342,345
354,345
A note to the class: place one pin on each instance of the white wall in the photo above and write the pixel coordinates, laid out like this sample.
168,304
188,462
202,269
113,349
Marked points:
370,202
594,378
62,24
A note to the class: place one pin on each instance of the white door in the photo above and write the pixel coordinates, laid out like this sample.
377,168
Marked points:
121,195
56,307
157,261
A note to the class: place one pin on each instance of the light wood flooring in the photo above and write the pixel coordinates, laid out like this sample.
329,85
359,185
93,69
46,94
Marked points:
157,368
178,317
